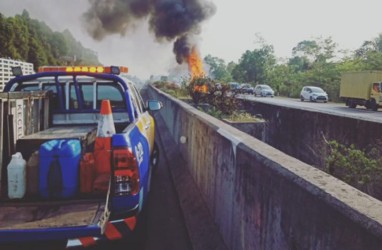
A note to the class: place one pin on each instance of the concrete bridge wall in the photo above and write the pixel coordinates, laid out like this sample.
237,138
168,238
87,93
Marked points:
300,133
261,198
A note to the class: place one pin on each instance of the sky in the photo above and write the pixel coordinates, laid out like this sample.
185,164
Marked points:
227,34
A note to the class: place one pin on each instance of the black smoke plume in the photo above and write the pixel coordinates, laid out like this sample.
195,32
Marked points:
169,20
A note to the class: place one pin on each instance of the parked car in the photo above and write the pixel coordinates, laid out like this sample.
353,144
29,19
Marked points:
313,94
246,88
264,90
234,88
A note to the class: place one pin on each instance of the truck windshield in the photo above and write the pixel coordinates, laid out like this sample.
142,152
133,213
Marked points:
377,87
317,90
93,94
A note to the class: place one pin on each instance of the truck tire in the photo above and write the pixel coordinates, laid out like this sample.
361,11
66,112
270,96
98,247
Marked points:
352,104
373,105
367,104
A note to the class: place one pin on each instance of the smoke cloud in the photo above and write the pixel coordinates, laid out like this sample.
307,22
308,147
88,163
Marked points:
169,20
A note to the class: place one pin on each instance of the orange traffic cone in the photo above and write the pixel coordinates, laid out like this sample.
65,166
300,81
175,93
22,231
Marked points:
102,147
105,124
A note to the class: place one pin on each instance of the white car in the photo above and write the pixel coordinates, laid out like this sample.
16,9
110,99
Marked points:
264,90
313,94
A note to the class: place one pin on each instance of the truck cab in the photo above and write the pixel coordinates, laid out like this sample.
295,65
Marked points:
363,88
84,184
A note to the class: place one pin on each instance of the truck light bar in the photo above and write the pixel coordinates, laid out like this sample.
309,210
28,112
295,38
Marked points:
85,69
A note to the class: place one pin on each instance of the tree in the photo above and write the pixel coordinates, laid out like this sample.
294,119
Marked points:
3,37
319,50
59,47
370,54
314,63
281,79
37,54
218,69
299,63
306,48
26,39
231,65
76,50
255,65
21,34
7,38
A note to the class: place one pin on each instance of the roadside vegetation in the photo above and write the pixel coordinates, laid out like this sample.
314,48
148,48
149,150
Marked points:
173,89
361,168
218,100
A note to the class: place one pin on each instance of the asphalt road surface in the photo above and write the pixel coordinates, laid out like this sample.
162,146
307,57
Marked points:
340,109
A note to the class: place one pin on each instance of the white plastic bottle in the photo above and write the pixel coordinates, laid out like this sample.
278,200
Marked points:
17,177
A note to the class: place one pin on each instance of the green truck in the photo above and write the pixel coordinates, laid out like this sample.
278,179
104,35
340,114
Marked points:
362,88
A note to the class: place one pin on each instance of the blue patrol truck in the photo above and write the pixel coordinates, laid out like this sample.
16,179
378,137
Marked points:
78,185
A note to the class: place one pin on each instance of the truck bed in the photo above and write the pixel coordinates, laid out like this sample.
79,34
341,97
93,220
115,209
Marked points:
29,143
34,212
28,215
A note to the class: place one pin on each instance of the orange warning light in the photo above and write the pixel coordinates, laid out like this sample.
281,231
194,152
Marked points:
116,70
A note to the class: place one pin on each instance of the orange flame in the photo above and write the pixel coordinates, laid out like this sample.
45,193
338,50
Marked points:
195,64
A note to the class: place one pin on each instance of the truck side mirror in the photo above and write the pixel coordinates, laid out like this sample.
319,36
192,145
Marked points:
154,105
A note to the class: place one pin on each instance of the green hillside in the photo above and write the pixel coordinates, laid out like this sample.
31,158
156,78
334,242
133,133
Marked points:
26,39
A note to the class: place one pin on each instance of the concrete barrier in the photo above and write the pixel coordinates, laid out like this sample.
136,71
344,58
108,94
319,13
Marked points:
300,132
261,198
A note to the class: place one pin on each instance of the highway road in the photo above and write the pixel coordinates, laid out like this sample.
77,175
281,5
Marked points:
340,109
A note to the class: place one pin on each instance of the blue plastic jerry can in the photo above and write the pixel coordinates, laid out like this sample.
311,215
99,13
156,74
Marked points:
59,168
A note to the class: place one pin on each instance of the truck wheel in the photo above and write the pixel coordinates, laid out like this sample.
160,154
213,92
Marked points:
352,105
367,104
373,105
302,98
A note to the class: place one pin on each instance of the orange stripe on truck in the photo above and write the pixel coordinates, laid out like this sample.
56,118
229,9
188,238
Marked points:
131,222
87,241
111,232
